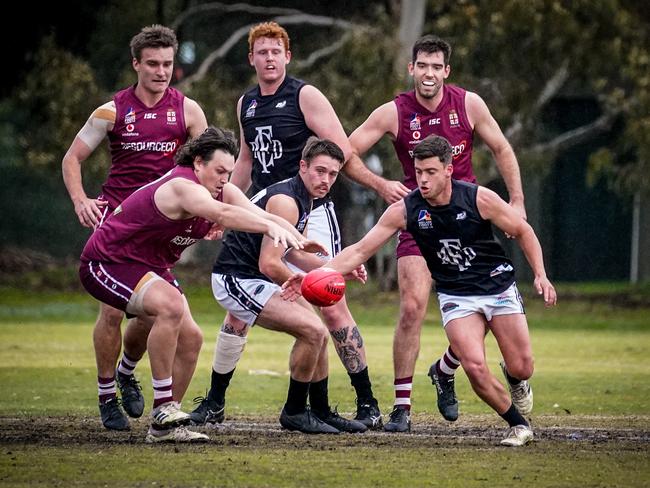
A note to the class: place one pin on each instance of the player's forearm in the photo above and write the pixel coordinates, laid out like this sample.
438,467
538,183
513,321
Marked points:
305,261
509,169
71,169
358,172
237,218
532,249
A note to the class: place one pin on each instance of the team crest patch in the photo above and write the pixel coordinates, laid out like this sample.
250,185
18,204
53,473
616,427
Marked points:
449,306
453,118
171,116
250,111
129,118
424,220
415,122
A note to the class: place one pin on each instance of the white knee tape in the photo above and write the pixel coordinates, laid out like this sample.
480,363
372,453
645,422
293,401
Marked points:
227,352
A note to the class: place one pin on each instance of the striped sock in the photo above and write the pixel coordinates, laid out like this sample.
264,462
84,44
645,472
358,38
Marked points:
162,391
126,365
403,387
448,363
106,389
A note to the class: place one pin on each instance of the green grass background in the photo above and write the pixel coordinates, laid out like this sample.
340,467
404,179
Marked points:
591,362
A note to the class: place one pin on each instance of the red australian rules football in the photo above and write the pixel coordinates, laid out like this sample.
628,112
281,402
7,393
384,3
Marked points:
323,287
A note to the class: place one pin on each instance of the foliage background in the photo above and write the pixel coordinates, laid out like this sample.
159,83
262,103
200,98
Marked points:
567,81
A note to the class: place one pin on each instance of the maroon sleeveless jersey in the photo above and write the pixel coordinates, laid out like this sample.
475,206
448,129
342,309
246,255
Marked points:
449,121
138,232
143,142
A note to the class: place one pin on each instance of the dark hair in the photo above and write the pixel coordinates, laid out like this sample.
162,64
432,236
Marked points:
432,44
153,36
316,147
206,144
433,146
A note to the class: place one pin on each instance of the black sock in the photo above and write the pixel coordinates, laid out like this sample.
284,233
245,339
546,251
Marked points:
296,397
218,386
511,379
361,383
319,398
513,417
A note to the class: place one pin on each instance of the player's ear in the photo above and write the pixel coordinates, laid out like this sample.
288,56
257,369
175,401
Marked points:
288,57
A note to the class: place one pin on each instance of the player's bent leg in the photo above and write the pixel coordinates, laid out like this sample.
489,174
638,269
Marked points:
166,304
511,333
107,340
466,336
190,340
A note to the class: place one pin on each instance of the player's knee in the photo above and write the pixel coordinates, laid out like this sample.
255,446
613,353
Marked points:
110,317
317,335
522,368
475,370
194,337
171,308
336,316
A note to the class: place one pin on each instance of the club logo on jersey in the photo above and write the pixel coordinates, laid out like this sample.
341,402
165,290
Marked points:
415,123
171,116
250,111
266,150
502,268
453,118
129,118
453,254
461,215
281,104
424,220
458,149
302,222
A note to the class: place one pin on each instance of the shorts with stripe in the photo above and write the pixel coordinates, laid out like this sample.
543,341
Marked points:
122,285
245,298
507,302
323,227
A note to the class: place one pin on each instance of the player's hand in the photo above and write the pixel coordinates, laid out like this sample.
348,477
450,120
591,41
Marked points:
89,211
359,274
282,236
547,290
291,287
314,247
393,191
215,233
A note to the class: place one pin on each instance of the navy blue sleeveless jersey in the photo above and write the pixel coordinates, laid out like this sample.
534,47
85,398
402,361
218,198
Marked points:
459,246
275,131
240,252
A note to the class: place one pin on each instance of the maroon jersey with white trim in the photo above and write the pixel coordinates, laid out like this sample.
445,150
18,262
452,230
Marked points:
137,231
143,141
449,121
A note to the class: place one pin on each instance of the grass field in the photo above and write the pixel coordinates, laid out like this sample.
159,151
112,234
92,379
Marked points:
592,405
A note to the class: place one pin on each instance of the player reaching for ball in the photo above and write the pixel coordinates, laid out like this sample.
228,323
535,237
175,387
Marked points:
451,222
323,287
246,281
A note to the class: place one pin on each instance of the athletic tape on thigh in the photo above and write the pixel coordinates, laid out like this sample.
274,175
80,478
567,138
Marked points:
136,303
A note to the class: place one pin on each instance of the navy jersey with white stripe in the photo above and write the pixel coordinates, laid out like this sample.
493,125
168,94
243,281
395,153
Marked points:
459,246
240,253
